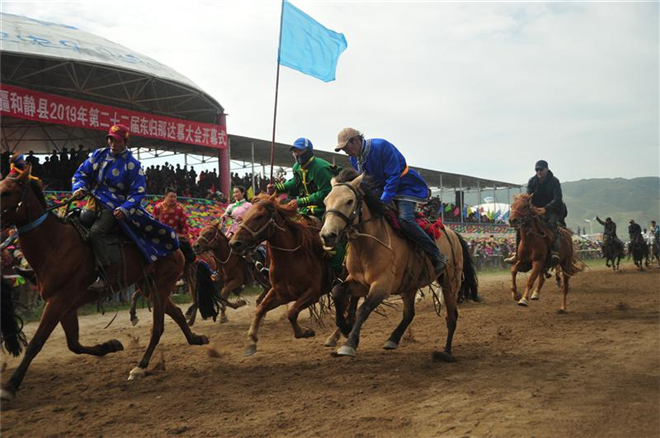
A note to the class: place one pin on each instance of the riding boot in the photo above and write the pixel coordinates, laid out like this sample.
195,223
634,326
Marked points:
556,248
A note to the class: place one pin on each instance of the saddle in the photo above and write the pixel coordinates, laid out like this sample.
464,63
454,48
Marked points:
432,229
115,241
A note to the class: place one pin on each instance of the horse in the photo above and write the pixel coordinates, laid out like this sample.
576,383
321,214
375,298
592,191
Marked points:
381,263
64,267
234,269
613,251
299,271
654,252
639,251
536,239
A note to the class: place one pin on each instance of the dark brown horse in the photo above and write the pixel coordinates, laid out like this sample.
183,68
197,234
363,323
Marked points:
613,251
64,267
536,239
233,268
299,271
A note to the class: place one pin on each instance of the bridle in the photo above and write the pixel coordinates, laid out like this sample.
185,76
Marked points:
30,225
356,213
354,220
268,227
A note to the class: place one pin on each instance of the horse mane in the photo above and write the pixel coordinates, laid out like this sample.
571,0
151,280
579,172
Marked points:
310,241
369,190
38,192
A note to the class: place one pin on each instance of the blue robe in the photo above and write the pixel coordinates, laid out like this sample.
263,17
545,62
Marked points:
117,182
386,166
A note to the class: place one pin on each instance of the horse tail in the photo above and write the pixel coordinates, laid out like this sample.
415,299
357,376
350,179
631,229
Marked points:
207,293
13,338
470,285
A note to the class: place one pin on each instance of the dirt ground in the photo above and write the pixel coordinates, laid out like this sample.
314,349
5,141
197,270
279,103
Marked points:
594,372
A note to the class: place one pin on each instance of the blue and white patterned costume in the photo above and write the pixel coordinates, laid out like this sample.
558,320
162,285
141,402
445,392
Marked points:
117,182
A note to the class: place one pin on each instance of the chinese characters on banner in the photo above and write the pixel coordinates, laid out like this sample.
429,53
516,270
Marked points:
50,108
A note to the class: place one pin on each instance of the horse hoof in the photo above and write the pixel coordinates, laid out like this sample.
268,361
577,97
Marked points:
443,356
523,302
517,297
223,320
135,320
7,395
115,346
203,339
309,333
345,350
390,345
535,296
241,302
330,342
250,350
562,311
137,373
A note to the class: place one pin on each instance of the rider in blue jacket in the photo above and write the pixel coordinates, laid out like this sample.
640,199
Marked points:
384,164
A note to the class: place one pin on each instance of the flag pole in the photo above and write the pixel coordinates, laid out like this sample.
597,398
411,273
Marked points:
277,86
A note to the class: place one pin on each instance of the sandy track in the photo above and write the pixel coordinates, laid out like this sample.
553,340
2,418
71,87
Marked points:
520,372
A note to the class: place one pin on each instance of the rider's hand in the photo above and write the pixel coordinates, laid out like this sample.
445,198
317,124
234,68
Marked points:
270,189
539,210
80,193
119,214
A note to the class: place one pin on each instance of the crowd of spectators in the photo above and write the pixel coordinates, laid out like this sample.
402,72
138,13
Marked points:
435,209
56,170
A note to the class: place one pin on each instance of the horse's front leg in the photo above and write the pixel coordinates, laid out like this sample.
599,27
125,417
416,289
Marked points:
408,315
536,294
537,268
53,313
272,300
377,293
514,288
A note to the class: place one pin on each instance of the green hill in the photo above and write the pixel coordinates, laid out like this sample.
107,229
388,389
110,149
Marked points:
619,198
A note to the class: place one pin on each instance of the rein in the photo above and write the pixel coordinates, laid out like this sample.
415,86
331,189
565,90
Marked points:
211,244
266,226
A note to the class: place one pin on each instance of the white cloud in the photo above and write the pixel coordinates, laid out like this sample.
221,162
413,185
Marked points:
483,89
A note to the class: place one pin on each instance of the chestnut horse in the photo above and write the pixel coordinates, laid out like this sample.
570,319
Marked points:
234,269
299,271
64,267
536,239
380,263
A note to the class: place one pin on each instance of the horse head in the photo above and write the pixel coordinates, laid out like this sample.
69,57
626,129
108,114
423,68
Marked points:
257,224
15,193
522,210
209,239
343,207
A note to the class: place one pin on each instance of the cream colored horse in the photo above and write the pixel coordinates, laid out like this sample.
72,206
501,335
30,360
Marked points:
380,263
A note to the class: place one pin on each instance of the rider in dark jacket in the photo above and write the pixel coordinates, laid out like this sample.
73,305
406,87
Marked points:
546,193
610,227
634,231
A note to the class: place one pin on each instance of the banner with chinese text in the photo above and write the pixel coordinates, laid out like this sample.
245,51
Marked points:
50,108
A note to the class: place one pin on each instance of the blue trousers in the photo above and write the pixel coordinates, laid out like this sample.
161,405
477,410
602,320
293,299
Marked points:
416,233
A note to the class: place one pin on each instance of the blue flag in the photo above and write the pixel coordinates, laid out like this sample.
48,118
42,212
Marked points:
308,46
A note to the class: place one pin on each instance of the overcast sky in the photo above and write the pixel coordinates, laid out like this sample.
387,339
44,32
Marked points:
482,89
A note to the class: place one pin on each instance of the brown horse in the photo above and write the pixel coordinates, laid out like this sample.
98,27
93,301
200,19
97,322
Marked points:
299,271
234,269
380,263
64,267
536,239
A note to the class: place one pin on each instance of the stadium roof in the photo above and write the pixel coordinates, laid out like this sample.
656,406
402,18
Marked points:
67,61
